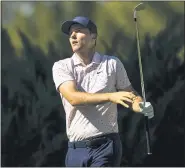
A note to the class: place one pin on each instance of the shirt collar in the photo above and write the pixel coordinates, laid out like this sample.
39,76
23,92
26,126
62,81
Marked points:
77,60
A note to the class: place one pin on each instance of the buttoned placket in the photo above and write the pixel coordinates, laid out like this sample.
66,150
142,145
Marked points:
87,76
95,75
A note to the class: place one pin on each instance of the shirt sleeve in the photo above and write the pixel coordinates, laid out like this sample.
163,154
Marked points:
122,80
61,74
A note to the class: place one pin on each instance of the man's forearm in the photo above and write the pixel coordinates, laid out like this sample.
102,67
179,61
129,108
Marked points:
77,98
82,98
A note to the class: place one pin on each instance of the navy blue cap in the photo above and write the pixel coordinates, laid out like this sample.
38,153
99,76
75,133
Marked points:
84,21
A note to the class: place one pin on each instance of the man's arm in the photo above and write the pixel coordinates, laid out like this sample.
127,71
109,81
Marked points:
69,91
65,84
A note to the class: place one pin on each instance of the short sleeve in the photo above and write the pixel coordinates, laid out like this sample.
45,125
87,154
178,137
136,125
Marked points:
122,80
61,73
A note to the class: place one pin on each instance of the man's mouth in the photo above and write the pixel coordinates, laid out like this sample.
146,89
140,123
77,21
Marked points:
74,42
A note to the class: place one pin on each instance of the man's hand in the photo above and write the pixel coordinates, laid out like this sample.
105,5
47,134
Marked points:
147,110
123,98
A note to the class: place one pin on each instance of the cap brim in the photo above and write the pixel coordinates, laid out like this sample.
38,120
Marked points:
66,26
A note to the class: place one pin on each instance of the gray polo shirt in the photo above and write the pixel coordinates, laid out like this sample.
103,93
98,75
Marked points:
104,74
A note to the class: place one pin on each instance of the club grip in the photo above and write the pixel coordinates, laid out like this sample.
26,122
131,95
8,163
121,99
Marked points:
149,152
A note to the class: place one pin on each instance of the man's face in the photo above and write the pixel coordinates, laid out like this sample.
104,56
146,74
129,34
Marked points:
80,38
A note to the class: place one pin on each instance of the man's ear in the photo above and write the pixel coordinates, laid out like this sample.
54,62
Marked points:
94,36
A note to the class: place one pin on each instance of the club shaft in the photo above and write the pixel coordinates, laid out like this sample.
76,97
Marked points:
143,90
140,65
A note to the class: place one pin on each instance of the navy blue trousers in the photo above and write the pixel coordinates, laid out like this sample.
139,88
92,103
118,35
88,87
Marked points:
102,153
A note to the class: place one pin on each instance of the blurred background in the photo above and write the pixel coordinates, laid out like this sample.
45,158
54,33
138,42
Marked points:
32,116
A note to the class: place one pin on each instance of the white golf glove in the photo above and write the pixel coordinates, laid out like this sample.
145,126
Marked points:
147,110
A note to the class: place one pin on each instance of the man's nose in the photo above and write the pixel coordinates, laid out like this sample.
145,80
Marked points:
73,35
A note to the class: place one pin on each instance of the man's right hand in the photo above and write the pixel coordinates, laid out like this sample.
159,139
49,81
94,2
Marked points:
122,97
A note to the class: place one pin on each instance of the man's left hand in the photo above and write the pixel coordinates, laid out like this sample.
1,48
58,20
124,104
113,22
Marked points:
147,110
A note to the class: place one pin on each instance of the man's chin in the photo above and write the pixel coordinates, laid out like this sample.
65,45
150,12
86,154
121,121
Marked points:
75,49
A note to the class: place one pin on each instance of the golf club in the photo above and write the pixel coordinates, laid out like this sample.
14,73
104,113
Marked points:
139,7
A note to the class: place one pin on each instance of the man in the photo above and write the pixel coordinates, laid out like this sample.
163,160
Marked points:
91,85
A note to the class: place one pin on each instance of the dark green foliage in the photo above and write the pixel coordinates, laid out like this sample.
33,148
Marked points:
33,119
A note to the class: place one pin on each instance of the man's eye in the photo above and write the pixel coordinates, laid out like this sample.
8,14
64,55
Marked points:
76,31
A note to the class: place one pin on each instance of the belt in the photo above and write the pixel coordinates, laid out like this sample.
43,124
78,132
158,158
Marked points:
93,141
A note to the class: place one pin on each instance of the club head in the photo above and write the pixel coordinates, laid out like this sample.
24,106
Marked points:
139,7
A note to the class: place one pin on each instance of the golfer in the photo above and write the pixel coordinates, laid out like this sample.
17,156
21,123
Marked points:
91,85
